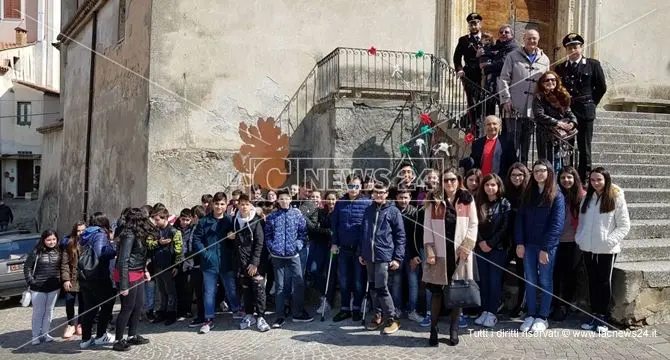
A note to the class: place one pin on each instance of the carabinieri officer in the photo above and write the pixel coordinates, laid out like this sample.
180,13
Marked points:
585,81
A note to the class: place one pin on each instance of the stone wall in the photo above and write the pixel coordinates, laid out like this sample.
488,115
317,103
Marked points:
50,177
641,297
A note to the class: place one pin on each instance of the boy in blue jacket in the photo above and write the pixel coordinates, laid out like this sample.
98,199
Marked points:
382,250
285,235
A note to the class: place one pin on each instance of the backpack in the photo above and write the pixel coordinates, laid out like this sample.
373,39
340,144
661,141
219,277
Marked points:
88,265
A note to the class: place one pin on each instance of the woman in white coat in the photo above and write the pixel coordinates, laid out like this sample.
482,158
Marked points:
603,224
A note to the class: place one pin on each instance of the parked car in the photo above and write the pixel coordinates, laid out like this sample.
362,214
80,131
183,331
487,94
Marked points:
14,249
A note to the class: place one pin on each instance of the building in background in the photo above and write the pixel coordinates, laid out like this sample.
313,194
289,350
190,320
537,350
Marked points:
29,90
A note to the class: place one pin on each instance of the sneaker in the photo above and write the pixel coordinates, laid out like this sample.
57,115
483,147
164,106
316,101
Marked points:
206,327
303,317
48,338
481,318
539,325
462,322
224,307
324,307
37,341
239,314
601,328
392,325
247,322
69,332
426,321
196,323
589,325
375,323
278,323
414,316
490,321
150,315
121,345
78,331
87,344
356,316
262,324
527,323
105,339
342,315
137,340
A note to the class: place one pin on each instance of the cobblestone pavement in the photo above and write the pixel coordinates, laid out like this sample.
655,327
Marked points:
326,340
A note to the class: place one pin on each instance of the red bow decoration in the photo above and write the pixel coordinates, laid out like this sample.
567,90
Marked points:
425,119
469,138
372,51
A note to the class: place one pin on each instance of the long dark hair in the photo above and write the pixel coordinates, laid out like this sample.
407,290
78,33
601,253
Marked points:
512,192
40,247
607,198
100,219
558,97
483,202
574,194
138,224
548,193
73,243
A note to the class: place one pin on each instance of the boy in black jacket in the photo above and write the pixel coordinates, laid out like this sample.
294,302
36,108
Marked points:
249,241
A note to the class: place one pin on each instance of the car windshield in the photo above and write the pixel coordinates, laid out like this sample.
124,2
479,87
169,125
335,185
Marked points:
14,250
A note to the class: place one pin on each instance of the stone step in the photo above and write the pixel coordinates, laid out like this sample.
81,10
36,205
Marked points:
644,250
604,157
631,122
631,115
655,273
648,229
631,138
616,129
642,181
639,169
643,195
630,147
649,211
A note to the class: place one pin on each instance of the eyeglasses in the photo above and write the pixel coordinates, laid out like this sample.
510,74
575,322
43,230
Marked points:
539,171
516,176
450,180
379,192
505,32
353,186
550,80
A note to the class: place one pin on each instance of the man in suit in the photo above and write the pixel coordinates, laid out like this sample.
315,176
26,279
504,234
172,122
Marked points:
585,81
491,153
466,63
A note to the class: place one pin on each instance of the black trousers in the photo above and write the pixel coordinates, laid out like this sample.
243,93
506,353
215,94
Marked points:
568,259
254,295
473,95
70,299
98,297
599,269
196,282
584,138
184,292
131,309
520,278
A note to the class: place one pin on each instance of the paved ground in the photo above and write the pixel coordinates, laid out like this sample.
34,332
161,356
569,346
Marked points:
326,340
25,212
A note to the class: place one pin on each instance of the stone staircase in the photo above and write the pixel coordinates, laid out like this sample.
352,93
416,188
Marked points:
635,148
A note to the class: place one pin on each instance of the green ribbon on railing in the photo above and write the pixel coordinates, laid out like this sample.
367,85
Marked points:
420,53
404,149
426,129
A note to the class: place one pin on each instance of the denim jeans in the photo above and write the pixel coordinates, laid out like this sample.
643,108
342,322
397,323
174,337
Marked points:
291,268
149,295
413,279
43,310
303,255
209,280
382,302
396,279
352,279
490,267
318,265
538,275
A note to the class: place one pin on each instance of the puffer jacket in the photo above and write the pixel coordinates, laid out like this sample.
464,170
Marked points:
540,226
46,276
347,218
603,233
285,232
249,241
494,230
383,234
132,257
68,268
548,116
518,79
413,221
103,247
207,237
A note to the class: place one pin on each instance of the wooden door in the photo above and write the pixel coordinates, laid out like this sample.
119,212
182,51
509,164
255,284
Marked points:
522,15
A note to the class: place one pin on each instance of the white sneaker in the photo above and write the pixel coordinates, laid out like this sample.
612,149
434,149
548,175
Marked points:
539,325
204,329
36,341
590,325
87,344
224,306
490,321
527,323
481,318
414,316
262,325
106,339
602,328
48,338
247,322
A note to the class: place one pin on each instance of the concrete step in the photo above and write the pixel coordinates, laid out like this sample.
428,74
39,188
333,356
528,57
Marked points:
616,129
604,157
631,138
648,229
644,169
597,146
631,115
644,250
643,195
649,211
642,181
655,273
631,122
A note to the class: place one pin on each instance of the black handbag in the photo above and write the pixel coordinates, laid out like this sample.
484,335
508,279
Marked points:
461,293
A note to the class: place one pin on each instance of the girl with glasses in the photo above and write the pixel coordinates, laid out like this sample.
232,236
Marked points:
515,185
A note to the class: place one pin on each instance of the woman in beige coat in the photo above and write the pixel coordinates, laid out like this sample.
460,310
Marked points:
450,230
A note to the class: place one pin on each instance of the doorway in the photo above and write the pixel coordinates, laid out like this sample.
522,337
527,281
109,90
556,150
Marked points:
24,177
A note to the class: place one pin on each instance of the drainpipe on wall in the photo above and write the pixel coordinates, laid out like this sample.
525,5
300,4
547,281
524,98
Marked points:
91,88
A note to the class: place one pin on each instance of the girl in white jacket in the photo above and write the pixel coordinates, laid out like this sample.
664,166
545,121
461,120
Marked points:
603,224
